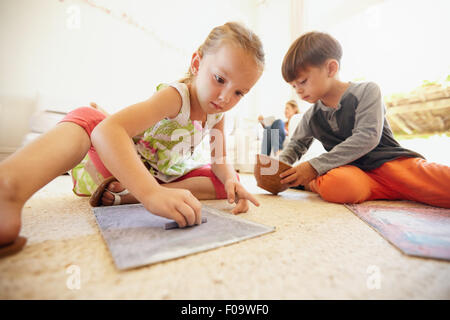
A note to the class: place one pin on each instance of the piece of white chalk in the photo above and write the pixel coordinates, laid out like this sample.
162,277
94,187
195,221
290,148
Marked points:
174,225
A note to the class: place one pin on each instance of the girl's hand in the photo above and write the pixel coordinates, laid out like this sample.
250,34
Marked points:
235,191
301,174
176,204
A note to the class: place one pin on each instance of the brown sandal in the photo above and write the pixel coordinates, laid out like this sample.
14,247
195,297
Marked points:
13,247
94,201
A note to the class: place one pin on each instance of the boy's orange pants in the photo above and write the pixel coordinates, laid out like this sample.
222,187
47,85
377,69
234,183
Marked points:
401,179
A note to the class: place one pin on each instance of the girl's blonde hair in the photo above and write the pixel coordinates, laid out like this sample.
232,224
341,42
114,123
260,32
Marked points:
235,33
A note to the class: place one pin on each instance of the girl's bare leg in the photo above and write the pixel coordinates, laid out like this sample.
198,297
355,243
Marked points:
201,187
32,167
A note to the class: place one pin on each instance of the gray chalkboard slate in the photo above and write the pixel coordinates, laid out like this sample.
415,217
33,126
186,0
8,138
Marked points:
136,237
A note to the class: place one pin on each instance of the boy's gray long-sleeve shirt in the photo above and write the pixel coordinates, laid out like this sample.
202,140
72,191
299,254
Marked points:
355,133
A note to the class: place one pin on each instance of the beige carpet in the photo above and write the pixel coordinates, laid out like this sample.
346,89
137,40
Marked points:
318,251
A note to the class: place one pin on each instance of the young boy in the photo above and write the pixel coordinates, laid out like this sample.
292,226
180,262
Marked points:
364,161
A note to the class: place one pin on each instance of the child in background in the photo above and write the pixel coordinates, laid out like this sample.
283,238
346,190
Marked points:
364,161
281,130
148,146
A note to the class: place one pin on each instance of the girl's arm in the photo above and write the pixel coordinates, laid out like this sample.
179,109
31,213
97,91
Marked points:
219,165
112,139
225,172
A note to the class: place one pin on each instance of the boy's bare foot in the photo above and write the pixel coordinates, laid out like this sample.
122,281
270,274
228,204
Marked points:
116,187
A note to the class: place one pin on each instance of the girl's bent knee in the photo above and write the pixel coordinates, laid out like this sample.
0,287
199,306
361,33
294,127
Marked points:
86,117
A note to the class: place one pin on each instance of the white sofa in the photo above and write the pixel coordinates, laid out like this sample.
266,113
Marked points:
15,114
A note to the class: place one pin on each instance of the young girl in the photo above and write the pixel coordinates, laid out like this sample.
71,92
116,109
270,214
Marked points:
164,130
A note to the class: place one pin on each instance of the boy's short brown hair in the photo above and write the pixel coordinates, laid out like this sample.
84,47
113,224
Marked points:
310,49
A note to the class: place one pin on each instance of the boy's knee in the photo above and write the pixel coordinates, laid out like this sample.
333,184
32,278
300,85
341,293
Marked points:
343,186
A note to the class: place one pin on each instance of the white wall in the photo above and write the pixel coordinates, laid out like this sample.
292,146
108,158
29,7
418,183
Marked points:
72,53
59,55
115,64
396,43
273,26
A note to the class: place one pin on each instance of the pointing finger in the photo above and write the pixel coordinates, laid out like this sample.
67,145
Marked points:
250,197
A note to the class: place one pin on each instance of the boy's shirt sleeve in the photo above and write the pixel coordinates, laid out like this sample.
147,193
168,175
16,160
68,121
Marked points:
366,133
300,142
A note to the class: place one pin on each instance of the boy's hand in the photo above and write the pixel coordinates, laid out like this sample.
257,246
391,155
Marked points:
301,174
235,191
176,204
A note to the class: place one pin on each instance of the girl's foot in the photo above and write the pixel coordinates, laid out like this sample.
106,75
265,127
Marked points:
10,211
12,247
96,106
116,187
